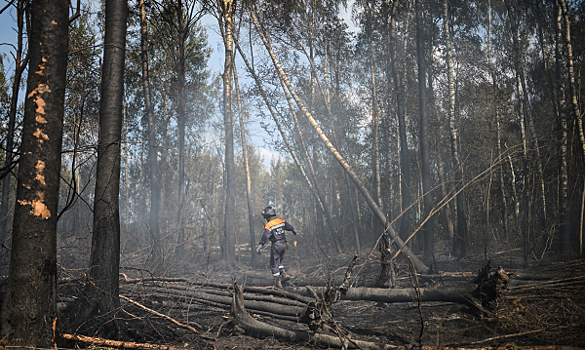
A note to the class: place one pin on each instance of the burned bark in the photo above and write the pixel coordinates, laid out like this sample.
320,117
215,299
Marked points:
29,309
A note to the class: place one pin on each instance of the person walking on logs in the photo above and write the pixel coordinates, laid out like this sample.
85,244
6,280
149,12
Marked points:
274,231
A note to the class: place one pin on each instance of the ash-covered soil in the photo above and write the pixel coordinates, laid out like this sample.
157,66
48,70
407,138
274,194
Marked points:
545,306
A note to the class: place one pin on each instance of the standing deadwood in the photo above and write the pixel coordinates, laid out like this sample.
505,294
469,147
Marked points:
253,258
155,260
428,229
104,262
460,237
420,266
20,64
29,310
226,17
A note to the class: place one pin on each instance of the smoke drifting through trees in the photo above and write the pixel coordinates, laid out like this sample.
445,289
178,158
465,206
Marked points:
474,103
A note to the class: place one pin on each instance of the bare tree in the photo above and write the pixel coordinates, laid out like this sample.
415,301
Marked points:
29,310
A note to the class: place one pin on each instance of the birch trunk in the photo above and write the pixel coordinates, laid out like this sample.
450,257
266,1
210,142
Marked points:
562,134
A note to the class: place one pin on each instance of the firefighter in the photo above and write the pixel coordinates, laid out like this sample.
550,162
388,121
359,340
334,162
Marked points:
274,231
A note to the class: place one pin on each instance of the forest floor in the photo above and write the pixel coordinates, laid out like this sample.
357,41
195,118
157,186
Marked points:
545,305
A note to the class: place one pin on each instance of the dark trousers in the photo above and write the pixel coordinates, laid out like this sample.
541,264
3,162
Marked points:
276,256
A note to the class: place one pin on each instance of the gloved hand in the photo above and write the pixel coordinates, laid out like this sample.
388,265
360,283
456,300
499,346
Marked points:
258,250
294,232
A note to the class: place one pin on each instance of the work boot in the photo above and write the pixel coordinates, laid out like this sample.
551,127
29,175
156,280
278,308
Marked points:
277,282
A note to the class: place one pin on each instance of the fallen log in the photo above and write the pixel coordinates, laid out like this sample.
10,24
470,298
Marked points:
117,343
253,327
487,287
273,306
459,293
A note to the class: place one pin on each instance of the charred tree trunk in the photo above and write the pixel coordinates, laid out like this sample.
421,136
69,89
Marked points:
29,309
104,263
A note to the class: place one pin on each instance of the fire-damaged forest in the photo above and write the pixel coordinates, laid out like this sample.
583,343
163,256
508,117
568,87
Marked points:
429,154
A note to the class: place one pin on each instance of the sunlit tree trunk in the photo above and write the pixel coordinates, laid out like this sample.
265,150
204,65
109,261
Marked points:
227,10
102,280
247,171
29,308
20,64
428,229
155,259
